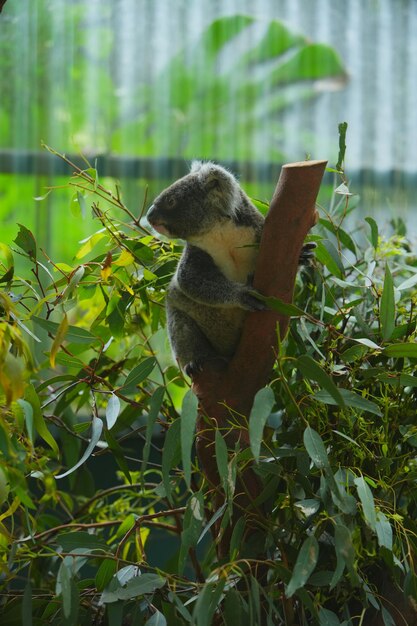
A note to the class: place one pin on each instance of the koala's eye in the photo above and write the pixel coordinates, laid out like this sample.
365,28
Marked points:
171,202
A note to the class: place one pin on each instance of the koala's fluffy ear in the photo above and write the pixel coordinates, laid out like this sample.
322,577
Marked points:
212,175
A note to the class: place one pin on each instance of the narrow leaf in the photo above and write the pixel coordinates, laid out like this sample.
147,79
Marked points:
96,429
188,421
221,456
374,231
367,500
27,605
261,410
171,455
112,410
383,531
73,335
387,306
140,373
59,338
350,399
39,422
154,408
304,565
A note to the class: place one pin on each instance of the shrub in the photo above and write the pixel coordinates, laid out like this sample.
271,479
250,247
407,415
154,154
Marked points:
89,388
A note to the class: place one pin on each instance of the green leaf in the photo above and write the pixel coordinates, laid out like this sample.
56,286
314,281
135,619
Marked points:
399,350
367,500
135,587
374,231
222,458
157,619
154,408
212,521
39,422
80,540
59,338
26,242
73,334
387,306
315,448
112,410
171,455
220,32
189,414
284,308
139,373
192,524
328,618
66,590
27,605
96,429
105,573
304,565
311,62
383,531
207,602
345,553
350,399
328,255
312,370
261,410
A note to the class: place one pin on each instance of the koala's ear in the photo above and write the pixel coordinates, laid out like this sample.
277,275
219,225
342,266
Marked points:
213,176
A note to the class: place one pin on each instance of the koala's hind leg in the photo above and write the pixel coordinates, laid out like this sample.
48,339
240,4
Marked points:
189,344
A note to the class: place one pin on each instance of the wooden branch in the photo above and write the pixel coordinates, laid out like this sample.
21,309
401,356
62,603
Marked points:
291,215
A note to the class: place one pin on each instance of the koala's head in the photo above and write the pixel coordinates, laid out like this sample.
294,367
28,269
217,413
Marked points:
196,203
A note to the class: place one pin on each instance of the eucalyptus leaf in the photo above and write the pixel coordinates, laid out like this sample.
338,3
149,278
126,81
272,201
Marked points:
312,370
351,399
112,410
96,430
315,448
262,406
139,373
367,500
304,566
188,421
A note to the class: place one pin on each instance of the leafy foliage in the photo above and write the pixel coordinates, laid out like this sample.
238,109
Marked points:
86,378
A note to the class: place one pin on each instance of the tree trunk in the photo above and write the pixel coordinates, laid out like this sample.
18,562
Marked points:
231,391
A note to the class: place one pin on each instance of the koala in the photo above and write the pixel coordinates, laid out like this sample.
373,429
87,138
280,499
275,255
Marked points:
210,293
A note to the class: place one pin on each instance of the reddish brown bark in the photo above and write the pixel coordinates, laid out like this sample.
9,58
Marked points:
291,215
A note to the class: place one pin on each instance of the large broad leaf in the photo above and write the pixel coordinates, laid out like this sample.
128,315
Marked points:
304,565
313,61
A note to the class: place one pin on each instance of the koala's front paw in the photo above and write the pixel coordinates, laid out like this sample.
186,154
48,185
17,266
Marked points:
249,301
193,367
307,253
196,366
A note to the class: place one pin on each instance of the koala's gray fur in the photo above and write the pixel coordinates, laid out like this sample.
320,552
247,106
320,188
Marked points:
210,293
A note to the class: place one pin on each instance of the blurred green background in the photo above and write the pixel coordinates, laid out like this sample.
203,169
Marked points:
141,87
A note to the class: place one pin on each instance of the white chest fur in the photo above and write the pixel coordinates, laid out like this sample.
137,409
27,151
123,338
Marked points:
233,249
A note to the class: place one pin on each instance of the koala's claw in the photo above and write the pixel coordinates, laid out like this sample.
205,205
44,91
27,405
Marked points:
307,253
